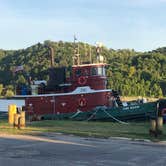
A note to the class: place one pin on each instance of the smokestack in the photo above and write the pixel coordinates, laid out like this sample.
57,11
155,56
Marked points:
51,56
50,53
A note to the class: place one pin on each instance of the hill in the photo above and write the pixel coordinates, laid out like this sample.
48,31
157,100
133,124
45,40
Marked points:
131,73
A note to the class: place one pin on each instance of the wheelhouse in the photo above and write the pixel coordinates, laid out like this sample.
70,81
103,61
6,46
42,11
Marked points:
92,75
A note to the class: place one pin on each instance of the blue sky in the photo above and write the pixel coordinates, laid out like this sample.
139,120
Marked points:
133,24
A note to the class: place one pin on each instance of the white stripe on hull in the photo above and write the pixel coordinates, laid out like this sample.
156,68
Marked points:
77,91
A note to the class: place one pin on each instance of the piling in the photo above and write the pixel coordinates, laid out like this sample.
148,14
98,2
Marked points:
159,121
153,125
16,120
22,120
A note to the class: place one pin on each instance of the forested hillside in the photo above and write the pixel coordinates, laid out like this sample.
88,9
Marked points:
131,73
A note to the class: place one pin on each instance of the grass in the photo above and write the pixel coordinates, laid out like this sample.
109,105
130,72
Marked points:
131,98
133,130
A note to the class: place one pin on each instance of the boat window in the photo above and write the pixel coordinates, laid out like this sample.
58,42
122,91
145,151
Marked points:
85,72
104,71
98,71
78,72
94,71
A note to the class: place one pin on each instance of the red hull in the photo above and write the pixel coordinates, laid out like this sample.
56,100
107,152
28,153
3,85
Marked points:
66,103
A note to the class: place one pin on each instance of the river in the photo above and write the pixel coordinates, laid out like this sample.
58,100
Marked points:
5,102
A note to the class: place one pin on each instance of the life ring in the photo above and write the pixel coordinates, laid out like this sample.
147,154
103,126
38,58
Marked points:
82,80
163,112
82,102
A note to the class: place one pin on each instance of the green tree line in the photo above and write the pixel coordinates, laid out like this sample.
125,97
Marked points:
131,73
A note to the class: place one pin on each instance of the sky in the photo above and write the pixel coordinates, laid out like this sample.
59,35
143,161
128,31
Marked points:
118,24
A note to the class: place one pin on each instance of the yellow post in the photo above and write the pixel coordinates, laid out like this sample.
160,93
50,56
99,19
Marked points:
9,114
22,120
12,109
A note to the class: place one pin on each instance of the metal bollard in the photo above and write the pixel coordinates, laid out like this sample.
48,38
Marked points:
159,124
22,120
153,125
16,120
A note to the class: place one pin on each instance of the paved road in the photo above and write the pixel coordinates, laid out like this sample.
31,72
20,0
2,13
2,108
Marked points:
60,150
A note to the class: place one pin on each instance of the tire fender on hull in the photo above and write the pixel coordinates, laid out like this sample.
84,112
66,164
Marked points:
82,102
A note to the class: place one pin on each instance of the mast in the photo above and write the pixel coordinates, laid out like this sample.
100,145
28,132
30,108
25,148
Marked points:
76,57
90,54
100,58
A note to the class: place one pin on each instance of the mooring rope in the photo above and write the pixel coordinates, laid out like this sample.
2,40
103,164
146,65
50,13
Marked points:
115,118
77,113
92,115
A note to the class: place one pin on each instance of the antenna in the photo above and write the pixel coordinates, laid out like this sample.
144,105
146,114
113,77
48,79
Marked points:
75,38
76,57
85,49
90,54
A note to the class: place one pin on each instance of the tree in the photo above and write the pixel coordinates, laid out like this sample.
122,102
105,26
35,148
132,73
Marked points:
21,80
132,71
1,88
9,93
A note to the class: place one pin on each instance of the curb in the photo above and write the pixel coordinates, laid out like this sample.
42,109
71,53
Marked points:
131,139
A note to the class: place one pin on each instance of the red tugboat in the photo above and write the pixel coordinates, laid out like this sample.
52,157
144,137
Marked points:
82,92
82,96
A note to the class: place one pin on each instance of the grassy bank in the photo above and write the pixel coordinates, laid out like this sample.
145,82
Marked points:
139,130
127,98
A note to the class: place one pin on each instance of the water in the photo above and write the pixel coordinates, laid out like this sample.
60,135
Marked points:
5,102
